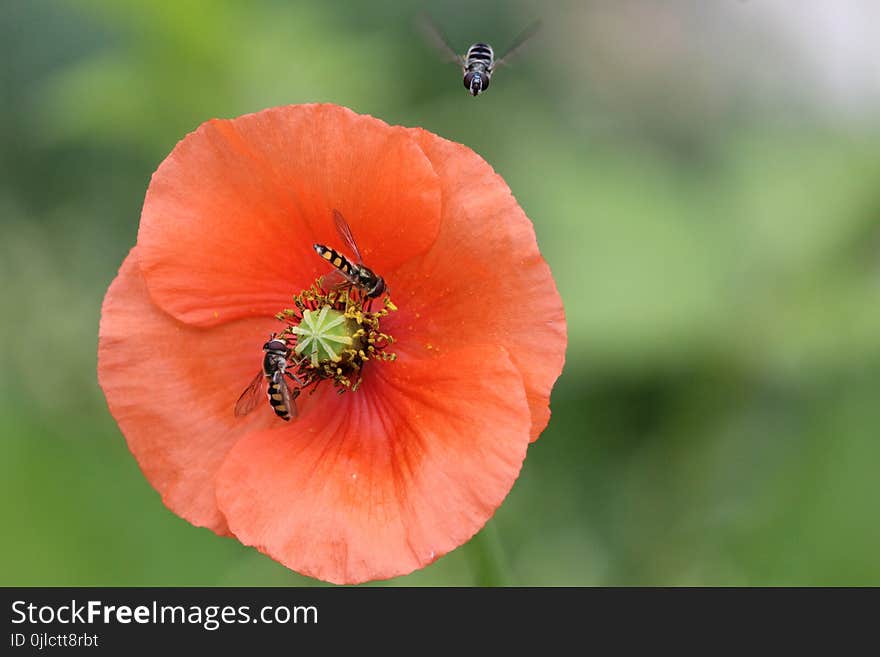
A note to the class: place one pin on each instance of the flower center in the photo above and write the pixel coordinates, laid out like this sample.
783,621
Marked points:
333,334
322,335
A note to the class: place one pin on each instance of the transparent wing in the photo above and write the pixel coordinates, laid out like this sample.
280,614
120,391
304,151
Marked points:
286,396
345,233
251,395
518,43
334,279
435,38
290,400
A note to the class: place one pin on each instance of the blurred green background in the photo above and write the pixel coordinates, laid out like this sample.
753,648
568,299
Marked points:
704,179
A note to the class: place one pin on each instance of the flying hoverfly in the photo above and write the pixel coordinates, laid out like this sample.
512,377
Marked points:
479,62
274,371
355,273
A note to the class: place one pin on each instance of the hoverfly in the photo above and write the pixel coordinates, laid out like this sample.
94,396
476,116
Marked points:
356,273
479,63
281,398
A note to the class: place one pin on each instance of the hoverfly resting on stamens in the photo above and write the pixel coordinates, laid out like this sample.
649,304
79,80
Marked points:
274,371
478,63
354,273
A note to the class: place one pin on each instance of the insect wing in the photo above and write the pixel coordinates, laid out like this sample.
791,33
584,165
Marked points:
251,396
435,38
335,279
345,233
286,395
518,43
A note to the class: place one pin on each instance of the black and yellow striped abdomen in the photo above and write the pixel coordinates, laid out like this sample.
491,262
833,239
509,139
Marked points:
338,260
274,367
480,56
279,398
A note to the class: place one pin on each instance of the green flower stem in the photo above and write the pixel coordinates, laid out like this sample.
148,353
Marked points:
489,561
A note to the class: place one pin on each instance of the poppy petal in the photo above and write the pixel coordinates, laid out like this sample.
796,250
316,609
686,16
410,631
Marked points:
231,214
483,279
172,388
396,475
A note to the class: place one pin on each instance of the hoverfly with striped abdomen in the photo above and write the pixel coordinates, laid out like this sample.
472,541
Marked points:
355,273
479,63
281,398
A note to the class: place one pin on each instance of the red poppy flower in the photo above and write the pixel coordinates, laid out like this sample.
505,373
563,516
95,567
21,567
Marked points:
378,481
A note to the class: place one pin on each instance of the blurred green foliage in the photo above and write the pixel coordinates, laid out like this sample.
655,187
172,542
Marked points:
716,242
